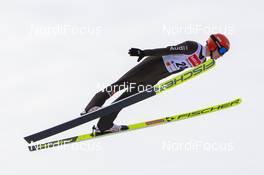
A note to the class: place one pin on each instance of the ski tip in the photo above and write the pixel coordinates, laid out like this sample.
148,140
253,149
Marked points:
238,100
28,140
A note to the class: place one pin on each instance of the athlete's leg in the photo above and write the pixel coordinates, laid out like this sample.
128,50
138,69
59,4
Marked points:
100,97
149,70
107,121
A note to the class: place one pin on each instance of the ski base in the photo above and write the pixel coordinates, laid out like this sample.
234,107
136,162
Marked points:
137,125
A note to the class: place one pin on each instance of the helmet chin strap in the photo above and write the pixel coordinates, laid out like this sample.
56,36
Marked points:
211,54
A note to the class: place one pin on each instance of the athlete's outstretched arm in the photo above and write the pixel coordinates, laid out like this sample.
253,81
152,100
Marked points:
187,47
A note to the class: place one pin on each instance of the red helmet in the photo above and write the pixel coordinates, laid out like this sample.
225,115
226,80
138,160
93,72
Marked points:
218,42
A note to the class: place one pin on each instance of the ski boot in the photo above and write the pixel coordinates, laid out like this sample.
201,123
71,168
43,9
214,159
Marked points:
90,110
113,129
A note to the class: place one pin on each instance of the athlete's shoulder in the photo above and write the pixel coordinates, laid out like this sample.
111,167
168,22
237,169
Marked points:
186,47
192,44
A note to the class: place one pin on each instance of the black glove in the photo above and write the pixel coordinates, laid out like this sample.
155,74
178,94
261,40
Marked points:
136,52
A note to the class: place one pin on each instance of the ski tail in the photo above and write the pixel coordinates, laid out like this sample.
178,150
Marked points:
139,125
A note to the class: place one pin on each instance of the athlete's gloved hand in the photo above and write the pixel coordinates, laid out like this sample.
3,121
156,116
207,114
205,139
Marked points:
136,52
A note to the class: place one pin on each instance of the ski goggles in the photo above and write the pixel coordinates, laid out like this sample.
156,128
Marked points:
221,49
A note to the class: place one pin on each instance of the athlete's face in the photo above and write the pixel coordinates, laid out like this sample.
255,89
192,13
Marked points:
216,55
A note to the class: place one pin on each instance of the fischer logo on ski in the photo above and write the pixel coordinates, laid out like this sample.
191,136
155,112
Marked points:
204,111
185,76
